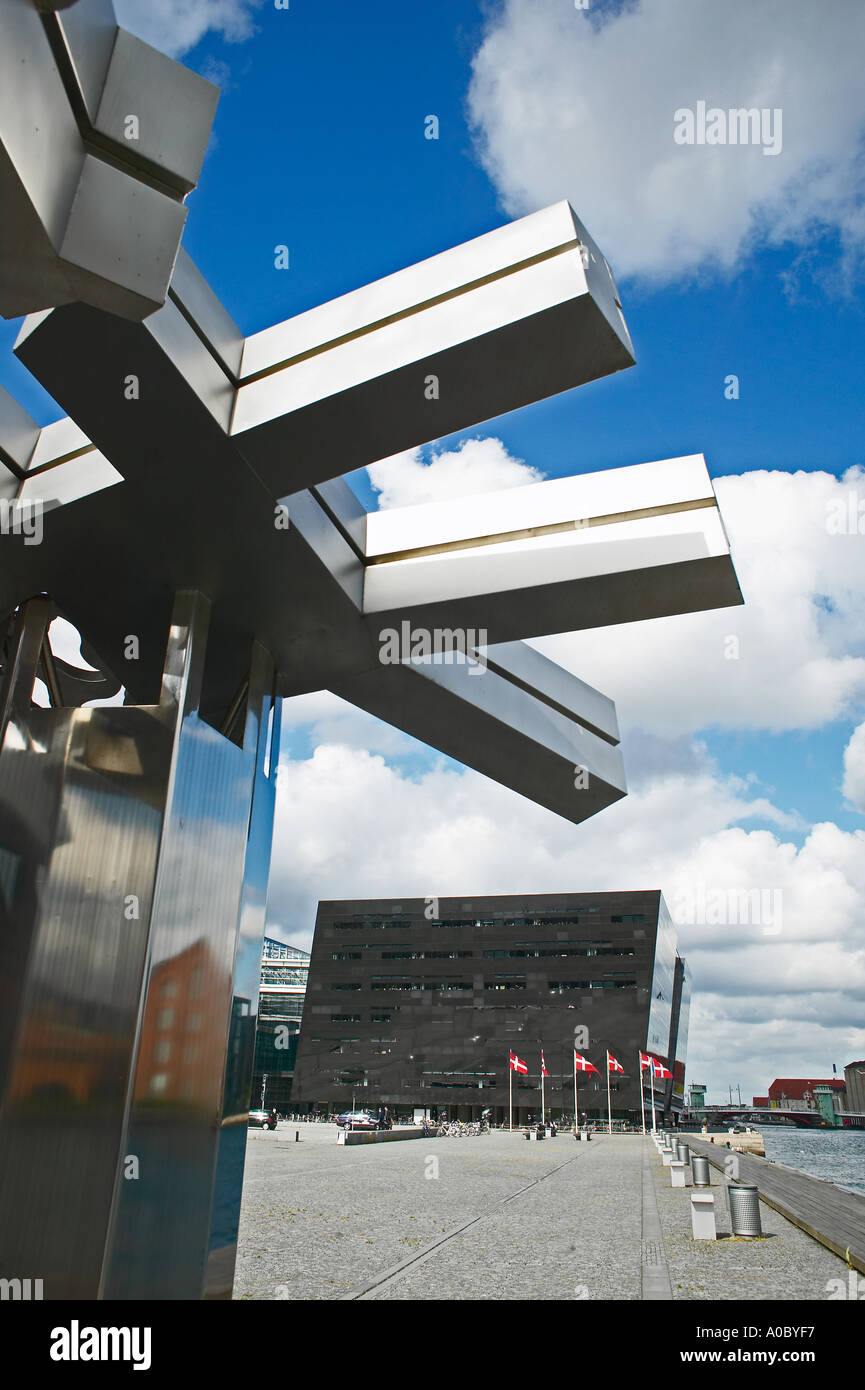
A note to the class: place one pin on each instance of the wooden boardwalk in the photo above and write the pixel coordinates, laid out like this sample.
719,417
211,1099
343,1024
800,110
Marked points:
828,1213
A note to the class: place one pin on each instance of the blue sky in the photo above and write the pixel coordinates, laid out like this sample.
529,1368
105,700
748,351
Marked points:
727,263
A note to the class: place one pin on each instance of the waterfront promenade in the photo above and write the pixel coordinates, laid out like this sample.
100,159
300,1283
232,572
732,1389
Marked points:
497,1218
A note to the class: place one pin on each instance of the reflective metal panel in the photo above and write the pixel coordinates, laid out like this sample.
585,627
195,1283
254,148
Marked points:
663,983
81,794
132,849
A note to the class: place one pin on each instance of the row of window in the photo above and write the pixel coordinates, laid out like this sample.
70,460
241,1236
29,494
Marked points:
501,920
283,975
521,951
356,1018
500,983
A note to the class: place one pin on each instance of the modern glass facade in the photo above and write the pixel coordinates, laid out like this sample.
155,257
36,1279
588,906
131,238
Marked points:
284,972
416,1004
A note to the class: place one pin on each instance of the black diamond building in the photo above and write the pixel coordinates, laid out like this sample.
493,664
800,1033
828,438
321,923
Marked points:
417,1004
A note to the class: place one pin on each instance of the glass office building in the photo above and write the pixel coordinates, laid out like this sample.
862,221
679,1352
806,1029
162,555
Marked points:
284,971
417,1004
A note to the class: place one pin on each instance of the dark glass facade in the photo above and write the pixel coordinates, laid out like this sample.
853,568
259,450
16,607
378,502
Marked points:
416,1004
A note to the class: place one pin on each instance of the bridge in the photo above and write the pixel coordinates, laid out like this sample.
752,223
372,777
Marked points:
773,1115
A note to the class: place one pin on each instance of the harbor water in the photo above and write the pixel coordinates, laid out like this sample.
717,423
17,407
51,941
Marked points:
837,1155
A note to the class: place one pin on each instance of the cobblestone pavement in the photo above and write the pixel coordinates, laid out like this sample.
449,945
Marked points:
491,1217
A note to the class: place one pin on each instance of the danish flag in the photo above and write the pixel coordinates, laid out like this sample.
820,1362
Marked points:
583,1064
544,1071
645,1061
517,1065
659,1069
612,1064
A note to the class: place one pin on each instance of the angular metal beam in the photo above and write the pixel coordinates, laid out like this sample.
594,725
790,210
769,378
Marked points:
101,138
601,548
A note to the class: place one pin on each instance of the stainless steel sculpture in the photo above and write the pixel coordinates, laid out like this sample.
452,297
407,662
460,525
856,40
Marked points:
101,138
196,491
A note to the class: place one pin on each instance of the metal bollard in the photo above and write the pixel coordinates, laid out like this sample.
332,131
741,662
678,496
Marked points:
297,1136
745,1211
683,1153
700,1171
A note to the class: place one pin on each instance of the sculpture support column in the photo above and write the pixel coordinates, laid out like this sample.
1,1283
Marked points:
134,848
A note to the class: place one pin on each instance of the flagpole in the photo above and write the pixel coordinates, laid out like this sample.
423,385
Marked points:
510,1095
609,1102
642,1092
543,1117
652,1078
576,1112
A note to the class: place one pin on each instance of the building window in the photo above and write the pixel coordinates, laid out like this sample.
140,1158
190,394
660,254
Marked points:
162,1050
165,1018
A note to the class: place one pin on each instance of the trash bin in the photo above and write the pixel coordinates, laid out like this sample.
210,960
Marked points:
700,1171
745,1210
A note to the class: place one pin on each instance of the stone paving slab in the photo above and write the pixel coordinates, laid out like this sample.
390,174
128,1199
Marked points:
317,1219
559,1221
574,1235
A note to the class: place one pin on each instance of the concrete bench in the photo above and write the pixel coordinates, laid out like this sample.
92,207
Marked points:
703,1216
350,1137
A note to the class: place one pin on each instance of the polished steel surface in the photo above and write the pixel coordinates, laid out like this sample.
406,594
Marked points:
135,846
92,207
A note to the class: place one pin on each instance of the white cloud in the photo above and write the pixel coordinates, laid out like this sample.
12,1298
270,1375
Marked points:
175,26
475,465
793,659
854,769
580,105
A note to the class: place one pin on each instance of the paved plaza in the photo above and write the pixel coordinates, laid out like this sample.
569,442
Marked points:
495,1217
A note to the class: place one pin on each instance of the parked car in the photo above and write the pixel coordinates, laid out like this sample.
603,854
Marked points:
357,1119
259,1119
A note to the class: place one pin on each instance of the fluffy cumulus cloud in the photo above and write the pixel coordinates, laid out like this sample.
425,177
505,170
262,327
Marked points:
175,26
555,119
475,465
